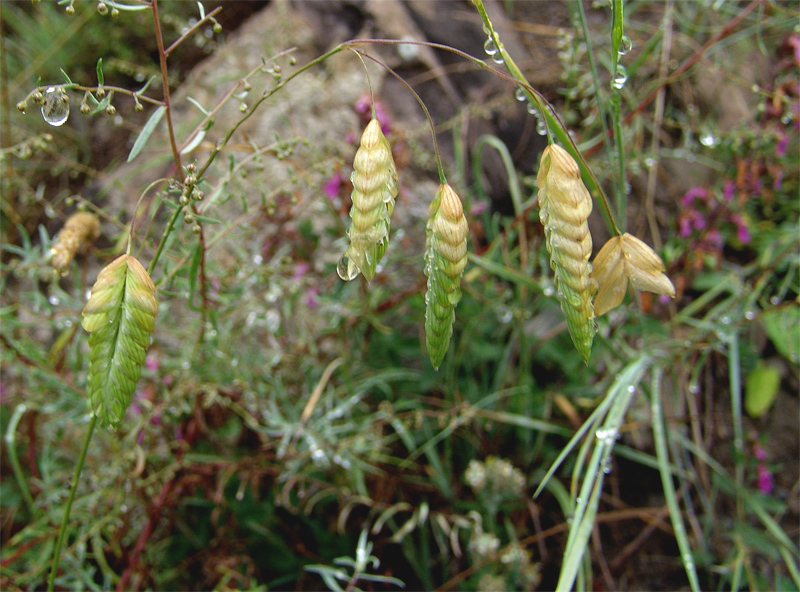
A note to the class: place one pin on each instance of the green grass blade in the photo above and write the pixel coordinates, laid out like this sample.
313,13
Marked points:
662,454
147,131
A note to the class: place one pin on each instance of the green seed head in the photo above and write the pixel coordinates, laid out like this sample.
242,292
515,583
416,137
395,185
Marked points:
445,259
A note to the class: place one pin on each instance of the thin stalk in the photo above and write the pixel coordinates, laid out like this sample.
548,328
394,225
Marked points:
11,447
63,530
552,120
442,178
267,94
196,26
163,241
662,453
614,157
162,58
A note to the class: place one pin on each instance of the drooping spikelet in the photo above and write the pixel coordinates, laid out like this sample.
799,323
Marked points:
565,205
120,315
625,258
375,188
80,229
445,259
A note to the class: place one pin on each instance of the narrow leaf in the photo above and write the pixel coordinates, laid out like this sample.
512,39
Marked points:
146,132
100,77
120,315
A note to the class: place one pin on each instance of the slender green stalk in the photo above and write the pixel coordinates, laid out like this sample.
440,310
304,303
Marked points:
63,530
662,453
11,447
553,122
615,156
442,178
267,94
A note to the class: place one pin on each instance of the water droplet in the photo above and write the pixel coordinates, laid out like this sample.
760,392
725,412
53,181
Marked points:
489,47
55,109
532,109
68,323
707,139
750,315
347,269
186,365
631,388
393,187
625,45
548,291
694,388
258,259
520,94
497,58
541,127
775,300
53,300
620,77
726,320
649,162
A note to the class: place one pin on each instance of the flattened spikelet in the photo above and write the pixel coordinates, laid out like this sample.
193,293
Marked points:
120,315
565,205
375,188
80,229
445,259
625,258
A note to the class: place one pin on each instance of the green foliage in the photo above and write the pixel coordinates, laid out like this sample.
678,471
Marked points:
284,420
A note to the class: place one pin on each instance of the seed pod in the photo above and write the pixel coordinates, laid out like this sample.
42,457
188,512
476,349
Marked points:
565,205
120,315
445,259
375,188
625,258
80,229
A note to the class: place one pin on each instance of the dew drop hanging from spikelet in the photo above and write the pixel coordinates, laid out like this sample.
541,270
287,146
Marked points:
565,205
375,187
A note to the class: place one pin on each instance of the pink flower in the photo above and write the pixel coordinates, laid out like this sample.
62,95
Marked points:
780,147
332,186
478,207
311,297
300,269
151,362
693,194
727,191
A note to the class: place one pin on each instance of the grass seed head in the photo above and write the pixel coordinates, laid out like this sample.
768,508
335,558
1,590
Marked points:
445,260
375,187
80,229
565,205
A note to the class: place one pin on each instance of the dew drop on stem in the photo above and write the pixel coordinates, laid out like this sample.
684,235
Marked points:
55,110
520,94
620,77
489,47
625,45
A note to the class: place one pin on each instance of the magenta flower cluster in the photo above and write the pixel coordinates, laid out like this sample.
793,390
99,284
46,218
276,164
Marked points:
704,214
